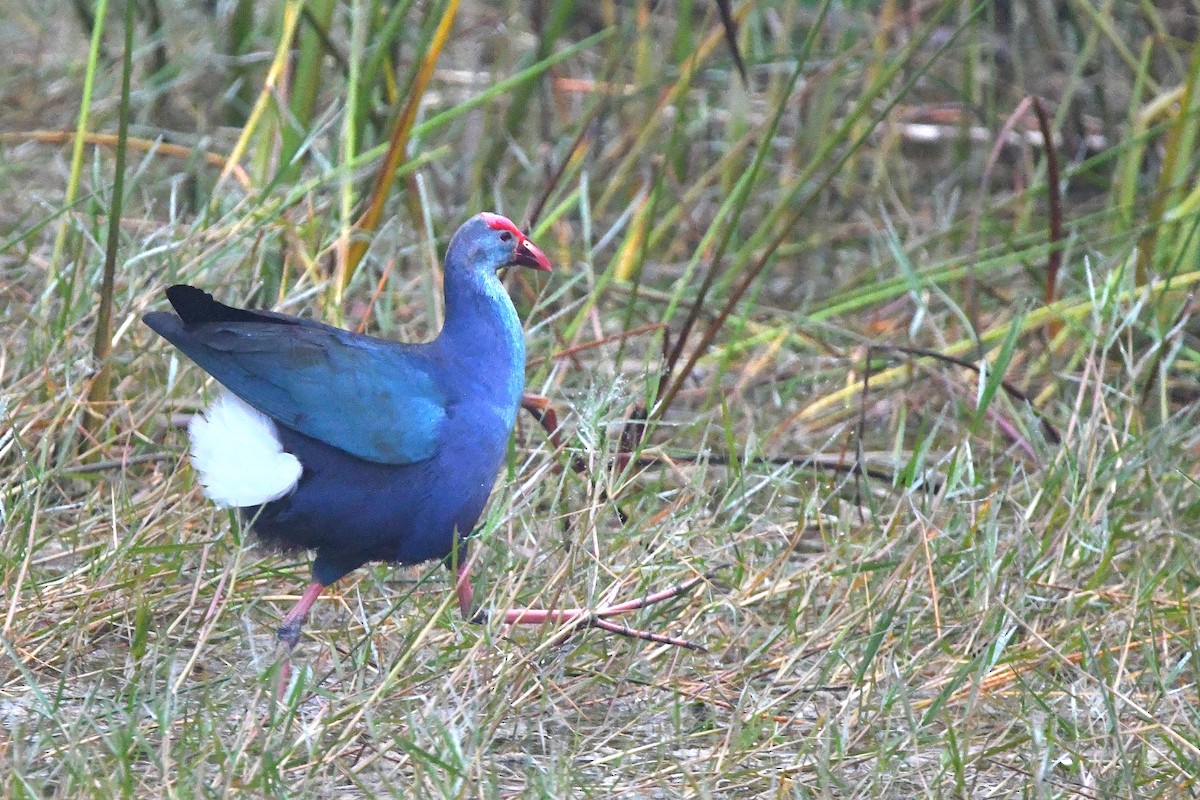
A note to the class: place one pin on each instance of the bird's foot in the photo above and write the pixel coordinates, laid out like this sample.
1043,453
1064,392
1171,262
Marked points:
540,408
283,676
575,618
288,635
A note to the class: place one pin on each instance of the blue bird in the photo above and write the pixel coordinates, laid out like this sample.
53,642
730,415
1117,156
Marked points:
362,449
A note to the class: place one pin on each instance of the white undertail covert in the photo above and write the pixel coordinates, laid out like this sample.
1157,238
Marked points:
236,450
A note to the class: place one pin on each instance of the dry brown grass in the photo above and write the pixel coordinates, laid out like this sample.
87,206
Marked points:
988,611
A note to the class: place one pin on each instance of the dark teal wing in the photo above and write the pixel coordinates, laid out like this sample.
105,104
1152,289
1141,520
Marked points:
375,399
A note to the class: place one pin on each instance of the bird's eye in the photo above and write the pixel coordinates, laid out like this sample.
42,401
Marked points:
505,236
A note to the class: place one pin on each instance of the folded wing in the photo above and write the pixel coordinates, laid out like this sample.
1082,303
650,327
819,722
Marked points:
313,378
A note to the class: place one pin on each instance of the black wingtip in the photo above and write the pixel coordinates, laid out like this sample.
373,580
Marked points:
195,306
191,304
181,293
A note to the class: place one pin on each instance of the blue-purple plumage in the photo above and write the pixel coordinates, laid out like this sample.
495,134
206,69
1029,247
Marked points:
399,443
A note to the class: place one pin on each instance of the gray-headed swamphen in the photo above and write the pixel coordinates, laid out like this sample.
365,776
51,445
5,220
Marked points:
363,449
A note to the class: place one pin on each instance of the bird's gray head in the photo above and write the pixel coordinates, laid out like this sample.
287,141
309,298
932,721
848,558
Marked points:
488,242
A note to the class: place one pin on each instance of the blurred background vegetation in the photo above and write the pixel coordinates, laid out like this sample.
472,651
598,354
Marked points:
886,306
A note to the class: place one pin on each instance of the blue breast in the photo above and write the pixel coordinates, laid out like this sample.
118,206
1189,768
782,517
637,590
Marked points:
352,511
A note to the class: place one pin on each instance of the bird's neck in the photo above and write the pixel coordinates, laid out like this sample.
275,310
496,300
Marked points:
483,335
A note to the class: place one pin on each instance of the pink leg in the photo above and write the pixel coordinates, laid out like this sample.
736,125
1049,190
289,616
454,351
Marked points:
288,633
538,405
582,616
